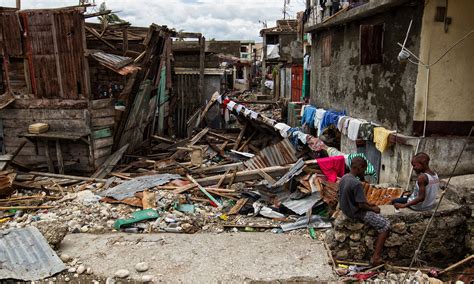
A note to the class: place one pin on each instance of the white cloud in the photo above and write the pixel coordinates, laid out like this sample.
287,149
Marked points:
219,19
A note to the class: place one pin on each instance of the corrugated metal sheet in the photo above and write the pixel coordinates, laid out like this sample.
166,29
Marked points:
282,153
301,206
111,60
26,255
55,50
128,188
10,34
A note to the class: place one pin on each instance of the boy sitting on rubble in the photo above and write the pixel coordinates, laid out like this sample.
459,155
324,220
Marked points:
353,203
423,196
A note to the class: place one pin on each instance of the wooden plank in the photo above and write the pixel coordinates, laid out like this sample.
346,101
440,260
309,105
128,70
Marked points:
101,103
102,152
105,112
40,114
103,121
67,177
110,163
239,138
48,157
103,142
11,156
54,124
102,133
97,35
59,156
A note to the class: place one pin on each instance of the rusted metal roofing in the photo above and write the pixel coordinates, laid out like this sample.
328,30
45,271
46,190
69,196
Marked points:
282,153
381,196
26,255
55,48
10,33
112,60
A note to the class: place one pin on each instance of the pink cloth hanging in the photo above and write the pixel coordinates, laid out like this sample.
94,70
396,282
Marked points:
332,167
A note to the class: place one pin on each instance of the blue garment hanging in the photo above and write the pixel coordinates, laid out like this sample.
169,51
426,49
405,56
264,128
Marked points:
331,118
308,116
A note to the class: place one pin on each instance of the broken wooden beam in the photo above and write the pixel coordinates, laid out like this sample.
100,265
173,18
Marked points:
51,175
204,191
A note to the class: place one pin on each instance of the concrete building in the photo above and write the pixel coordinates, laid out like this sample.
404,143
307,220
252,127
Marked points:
355,67
281,49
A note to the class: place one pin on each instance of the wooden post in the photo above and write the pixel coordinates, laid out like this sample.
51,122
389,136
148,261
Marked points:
239,138
125,39
202,56
264,62
59,155
18,4
48,157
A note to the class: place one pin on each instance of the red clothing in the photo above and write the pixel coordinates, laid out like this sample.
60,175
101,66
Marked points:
332,167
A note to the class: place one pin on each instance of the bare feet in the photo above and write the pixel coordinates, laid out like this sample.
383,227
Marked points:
376,261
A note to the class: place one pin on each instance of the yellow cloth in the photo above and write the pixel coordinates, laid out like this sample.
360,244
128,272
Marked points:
381,138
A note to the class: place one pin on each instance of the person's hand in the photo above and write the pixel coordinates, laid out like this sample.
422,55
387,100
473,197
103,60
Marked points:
399,205
376,209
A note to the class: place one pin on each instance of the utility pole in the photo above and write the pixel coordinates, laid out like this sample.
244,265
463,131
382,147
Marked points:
284,9
18,4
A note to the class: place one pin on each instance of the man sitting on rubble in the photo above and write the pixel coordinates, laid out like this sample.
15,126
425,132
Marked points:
353,203
423,196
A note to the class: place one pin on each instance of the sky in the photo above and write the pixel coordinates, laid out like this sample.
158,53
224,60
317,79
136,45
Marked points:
218,19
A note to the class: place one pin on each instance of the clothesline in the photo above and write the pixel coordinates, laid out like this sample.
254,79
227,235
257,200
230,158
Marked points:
353,128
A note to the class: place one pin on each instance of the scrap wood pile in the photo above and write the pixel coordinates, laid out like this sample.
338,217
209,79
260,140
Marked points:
256,177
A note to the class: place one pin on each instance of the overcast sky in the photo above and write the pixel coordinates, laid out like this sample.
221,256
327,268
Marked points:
219,19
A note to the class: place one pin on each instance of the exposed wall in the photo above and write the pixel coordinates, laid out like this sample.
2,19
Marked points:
451,87
382,93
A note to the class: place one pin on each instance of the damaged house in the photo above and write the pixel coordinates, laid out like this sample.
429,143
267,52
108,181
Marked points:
283,59
421,92
94,93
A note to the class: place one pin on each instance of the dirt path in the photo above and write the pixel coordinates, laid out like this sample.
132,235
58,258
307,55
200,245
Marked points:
202,258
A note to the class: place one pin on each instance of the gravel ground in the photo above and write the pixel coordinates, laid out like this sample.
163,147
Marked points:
201,258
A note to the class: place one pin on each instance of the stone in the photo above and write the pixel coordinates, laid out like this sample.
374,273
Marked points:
71,270
340,236
342,254
433,280
89,270
392,253
84,229
354,226
141,267
76,275
122,273
355,236
147,278
65,257
399,228
110,280
394,240
81,269
53,231
67,279
369,241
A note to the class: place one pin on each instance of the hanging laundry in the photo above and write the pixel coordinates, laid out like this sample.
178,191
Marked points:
230,105
239,108
332,167
340,122
302,136
346,125
253,114
247,112
353,129
381,138
366,131
333,152
315,144
283,129
308,115
370,171
331,118
318,119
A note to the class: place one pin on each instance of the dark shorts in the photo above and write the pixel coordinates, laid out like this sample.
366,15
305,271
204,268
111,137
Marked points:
402,200
377,221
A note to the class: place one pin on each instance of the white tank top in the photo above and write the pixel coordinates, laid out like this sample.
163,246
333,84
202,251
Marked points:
430,194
